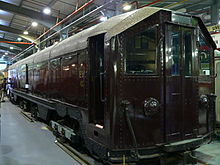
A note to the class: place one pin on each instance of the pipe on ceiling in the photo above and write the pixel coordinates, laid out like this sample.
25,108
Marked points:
65,19
98,9
136,3
174,4
12,42
152,3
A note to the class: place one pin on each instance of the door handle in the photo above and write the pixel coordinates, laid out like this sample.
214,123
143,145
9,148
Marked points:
101,77
176,94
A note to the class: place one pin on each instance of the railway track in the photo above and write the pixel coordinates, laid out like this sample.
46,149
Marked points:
27,116
82,159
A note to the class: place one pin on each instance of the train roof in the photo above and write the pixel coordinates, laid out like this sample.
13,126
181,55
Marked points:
111,27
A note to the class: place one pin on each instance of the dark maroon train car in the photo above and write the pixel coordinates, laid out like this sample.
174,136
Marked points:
137,85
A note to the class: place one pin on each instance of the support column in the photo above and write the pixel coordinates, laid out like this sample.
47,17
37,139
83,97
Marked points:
215,12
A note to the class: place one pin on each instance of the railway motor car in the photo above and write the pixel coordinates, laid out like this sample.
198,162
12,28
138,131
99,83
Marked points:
137,85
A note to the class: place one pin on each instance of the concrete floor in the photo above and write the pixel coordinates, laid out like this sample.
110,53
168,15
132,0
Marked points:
26,143
209,153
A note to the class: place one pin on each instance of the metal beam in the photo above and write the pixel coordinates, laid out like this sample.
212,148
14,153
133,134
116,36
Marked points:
215,12
194,6
52,2
45,20
30,37
13,30
14,51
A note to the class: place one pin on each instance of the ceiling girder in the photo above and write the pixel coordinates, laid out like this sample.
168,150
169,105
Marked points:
52,2
18,32
194,6
215,12
14,51
10,29
45,20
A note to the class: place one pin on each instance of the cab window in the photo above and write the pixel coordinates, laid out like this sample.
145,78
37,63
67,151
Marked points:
140,55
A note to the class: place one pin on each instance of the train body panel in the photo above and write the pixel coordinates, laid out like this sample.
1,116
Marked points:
128,85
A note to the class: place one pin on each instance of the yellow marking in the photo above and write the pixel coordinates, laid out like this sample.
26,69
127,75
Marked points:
44,128
124,162
213,28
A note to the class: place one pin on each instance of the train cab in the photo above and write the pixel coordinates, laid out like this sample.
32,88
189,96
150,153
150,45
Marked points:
158,90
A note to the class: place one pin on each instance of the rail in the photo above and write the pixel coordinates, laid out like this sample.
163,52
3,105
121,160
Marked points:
80,158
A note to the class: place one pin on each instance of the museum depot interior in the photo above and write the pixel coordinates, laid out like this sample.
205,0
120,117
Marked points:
109,82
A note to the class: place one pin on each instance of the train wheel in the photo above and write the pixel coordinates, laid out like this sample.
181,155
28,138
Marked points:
34,112
21,104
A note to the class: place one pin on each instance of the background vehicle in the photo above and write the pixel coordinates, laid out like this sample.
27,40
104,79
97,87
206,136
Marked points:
133,85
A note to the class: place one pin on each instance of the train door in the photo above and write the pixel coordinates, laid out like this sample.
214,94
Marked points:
180,87
96,82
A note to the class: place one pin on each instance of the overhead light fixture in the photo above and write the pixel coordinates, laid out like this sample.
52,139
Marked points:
47,10
34,24
11,48
103,18
26,32
127,7
19,39
6,53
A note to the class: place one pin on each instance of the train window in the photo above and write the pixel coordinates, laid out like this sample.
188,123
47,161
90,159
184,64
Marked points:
204,56
141,53
188,53
181,19
175,53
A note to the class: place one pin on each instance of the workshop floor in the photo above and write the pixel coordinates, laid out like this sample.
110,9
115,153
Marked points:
27,143
209,154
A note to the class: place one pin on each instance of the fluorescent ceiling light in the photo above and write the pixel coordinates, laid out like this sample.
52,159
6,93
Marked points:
103,18
19,39
26,32
34,24
127,7
47,10
6,53
11,48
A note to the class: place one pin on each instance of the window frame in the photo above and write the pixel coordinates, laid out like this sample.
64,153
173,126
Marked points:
134,33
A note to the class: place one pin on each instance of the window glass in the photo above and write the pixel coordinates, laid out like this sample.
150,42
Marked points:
204,56
141,52
69,65
182,19
175,53
188,52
